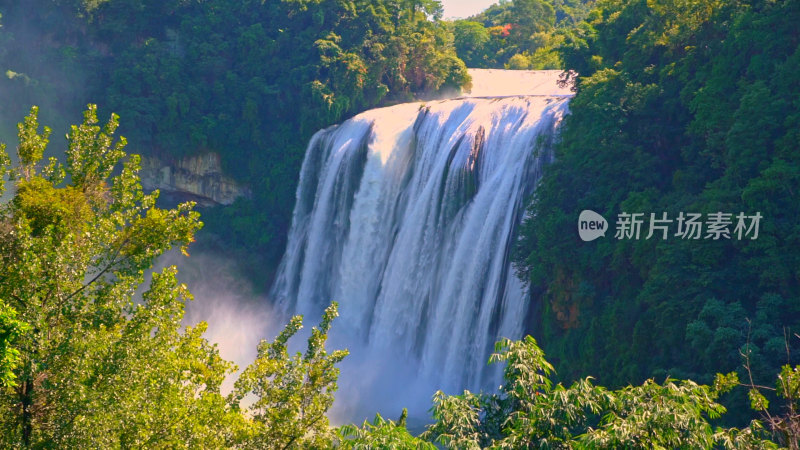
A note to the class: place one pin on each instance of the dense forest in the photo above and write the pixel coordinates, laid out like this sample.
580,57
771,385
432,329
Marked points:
249,80
518,34
681,106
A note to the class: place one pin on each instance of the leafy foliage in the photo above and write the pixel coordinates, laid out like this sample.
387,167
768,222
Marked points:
680,107
531,412
292,392
10,330
518,34
94,366
381,433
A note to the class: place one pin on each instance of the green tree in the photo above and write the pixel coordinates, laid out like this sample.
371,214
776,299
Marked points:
10,327
381,433
292,393
531,412
470,40
98,368
10,331
680,107
531,17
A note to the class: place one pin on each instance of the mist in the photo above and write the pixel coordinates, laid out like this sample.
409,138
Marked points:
38,67
379,381
238,317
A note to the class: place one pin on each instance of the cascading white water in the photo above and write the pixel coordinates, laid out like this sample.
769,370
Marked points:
406,216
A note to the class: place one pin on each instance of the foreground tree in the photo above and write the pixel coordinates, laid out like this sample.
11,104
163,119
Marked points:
531,412
381,433
292,392
680,108
98,368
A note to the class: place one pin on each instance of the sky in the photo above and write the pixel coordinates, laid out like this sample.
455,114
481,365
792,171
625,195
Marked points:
465,8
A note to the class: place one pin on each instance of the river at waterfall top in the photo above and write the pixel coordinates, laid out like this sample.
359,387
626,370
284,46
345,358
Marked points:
504,83
406,216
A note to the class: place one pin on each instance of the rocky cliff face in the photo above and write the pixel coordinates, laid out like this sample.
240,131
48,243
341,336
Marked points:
198,178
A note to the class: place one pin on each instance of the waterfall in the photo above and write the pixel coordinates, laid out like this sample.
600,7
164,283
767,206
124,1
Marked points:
406,216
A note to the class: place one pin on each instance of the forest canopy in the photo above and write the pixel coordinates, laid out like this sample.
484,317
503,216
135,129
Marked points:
249,80
681,106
